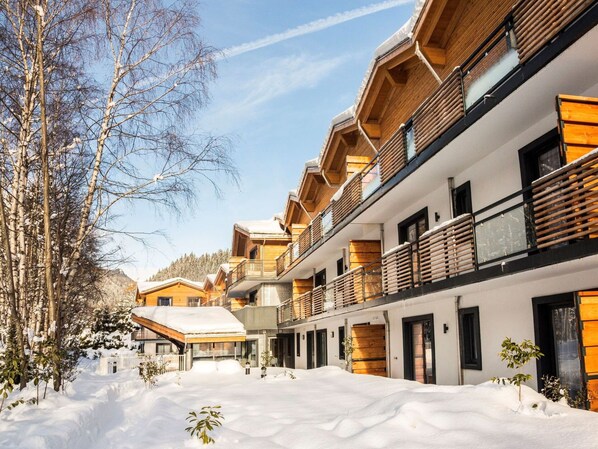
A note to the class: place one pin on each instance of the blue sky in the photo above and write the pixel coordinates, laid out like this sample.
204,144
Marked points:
289,68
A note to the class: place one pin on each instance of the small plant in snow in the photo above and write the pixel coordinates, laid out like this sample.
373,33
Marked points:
9,372
149,370
517,355
349,348
266,358
203,422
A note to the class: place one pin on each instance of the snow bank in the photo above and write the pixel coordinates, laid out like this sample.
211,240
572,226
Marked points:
211,367
320,408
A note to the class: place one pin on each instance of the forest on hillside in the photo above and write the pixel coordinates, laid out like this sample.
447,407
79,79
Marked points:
193,267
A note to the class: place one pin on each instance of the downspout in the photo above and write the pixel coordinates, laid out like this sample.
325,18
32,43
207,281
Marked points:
423,59
388,358
382,246
367,138
457,331
326,179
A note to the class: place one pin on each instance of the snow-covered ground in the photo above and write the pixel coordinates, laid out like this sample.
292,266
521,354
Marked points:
321,408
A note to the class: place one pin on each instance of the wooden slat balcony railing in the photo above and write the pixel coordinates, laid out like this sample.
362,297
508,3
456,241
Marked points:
392,155
302,306
304,241
537,22
439,112
283,261
348,201
565,203
531,25
448,250
397,272
317,231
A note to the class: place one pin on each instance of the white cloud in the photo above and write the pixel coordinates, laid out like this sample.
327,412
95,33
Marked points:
274,78
312,27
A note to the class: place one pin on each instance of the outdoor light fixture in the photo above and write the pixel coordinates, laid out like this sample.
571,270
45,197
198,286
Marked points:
303,337
445,328
436,216
332,334
247,368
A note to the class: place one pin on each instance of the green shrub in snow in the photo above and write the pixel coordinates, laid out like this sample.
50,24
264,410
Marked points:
203,422
517,355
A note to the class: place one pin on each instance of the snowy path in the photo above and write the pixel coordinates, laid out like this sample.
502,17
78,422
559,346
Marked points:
324,408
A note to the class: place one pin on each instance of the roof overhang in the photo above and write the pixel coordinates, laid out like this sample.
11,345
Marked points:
172,334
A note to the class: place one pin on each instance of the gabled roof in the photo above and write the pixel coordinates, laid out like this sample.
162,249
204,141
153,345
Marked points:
223,270
261,228
150,286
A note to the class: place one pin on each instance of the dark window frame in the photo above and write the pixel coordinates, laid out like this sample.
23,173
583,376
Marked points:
320,275
474,363
164,297
463,188
321,359
253,253
298,338
340,266
403,225
528,156
341,346
409,372
252,298
163,345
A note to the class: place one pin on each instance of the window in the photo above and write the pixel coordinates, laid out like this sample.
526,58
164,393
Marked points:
253,298
163,348
298,336
164,301
410,230
462,200
469,338
340,266
253,253
320,278
539,158
341,340
193,301
410,140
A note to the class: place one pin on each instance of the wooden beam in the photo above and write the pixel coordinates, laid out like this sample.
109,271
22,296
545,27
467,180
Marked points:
349,139
436,55
216,339
309,205
159,328
372,130
333,177
396,76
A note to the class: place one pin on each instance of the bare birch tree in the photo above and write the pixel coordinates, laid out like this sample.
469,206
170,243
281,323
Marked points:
95,110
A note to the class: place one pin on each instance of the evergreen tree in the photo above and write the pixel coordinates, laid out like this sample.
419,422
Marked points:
193,267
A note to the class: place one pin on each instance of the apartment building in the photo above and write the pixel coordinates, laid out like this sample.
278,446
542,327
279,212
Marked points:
455,203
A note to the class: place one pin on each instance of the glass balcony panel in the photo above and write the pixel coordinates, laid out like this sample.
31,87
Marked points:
502,235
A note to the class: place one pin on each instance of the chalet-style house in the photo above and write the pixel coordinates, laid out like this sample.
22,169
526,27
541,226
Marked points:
453,205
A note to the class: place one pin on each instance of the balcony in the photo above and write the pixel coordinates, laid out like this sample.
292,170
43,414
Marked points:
558,210
531,25
145,334
250,272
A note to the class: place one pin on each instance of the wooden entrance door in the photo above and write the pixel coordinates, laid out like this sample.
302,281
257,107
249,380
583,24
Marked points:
369,349
588,314
418,350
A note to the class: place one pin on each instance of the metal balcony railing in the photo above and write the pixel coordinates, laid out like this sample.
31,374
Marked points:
531,25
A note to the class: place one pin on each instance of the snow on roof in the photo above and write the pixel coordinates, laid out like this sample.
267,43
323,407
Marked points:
401,36
347,114
211,278
224,267
152,285
270,227
193,320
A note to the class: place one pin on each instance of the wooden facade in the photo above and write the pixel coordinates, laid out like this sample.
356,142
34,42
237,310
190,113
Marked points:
369,349
182,294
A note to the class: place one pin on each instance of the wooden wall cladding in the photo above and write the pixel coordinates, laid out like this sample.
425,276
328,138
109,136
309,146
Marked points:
577,125
588,313
369,349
